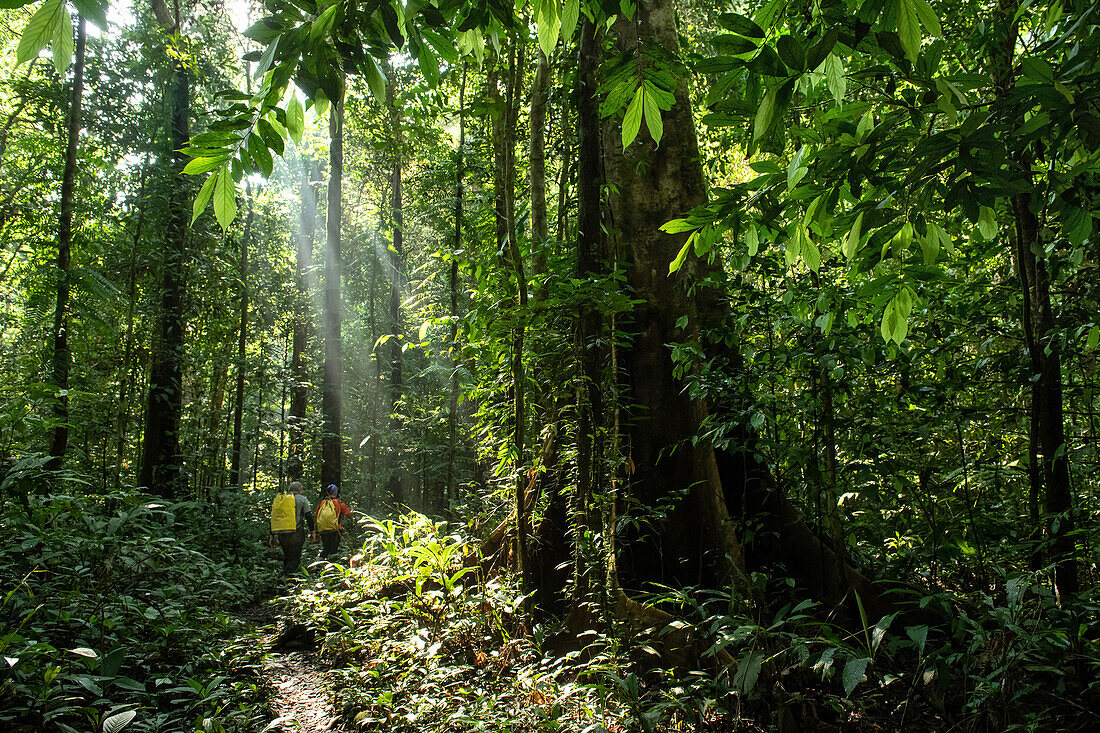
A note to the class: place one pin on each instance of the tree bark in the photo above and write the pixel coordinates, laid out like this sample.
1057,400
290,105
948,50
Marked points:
1049,471
61,356
333,377
653,185
161,469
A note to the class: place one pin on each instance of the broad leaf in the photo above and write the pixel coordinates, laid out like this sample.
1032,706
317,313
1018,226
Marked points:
199,166
835,78
295,119
62,45
653,121
118,721
909,28
741,25
851,242
40,30
225,199
570,13
632,121
203,197
853,673
548,26
764,115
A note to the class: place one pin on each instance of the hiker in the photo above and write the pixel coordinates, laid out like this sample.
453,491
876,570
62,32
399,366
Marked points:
328,521
290,514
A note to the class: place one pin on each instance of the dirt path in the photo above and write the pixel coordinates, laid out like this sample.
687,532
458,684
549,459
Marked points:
302,703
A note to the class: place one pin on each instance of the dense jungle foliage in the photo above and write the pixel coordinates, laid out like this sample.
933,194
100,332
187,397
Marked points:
687,365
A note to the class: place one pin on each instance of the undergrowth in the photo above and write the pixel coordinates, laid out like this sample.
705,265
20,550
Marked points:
118,611
416,641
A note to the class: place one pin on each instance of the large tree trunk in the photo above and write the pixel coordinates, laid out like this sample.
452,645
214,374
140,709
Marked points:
161,469
299,361
332,385
655,184
61,356
693,489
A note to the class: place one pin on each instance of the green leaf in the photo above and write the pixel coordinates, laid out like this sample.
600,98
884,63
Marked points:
548,25
748,671
295,119
40,31
118,721
203,197
677,263
811,255
376,79
930,247
321,25
865,126
851,242
741,25
269,55
1093,339
909,28
752,241
62,45
919,635
202,165
764,115
257,148
895,326
429,64
632,121
676,226
225,199
987,223
793,249
570,13
653,119
94,11
853,673
928,17
835,78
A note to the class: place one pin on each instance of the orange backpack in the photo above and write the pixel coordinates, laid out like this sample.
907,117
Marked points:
328,516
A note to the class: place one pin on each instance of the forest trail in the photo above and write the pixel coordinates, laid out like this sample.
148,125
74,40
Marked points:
301,701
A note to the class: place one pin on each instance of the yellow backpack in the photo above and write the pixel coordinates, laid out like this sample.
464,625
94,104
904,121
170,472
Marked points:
328,518
283,515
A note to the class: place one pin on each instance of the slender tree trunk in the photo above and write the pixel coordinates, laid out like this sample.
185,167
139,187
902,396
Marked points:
61,355
451,499
1047,426
242,339
332,390
587,328
509,244
537,162
397,489
126,377
161,469
299,367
